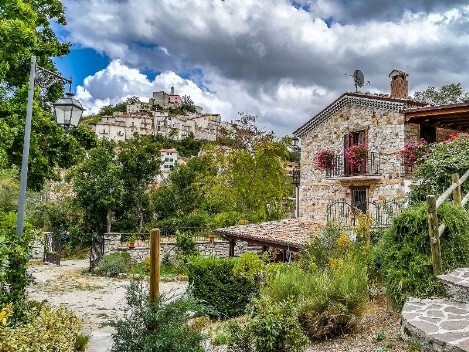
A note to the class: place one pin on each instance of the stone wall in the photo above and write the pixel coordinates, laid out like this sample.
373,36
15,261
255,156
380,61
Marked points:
386,135
218,249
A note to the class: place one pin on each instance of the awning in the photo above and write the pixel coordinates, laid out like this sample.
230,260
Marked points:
451,116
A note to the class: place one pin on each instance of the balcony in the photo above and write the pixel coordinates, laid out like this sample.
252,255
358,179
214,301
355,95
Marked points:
368,169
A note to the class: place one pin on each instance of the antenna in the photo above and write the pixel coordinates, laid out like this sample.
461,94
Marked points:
359,79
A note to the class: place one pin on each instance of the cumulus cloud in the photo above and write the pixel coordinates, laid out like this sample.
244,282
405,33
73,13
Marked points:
282,60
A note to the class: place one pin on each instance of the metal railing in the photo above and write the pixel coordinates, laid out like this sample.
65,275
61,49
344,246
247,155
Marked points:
341,168
198,234
346,214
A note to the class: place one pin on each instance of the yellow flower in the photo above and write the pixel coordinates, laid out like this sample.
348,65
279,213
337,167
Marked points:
6,313
343,241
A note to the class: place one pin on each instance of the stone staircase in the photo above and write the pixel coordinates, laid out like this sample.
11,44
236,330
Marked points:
440,324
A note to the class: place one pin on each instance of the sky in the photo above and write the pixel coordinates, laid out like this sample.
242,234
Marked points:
281,60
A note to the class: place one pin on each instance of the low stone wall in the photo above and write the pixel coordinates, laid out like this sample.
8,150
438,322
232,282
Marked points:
218,249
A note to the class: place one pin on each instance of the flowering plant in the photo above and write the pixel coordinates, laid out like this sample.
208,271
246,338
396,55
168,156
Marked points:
457,135
356,155
414,151
325,159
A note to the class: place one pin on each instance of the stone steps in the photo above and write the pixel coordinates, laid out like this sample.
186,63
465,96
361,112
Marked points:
457,284
440,324
437,324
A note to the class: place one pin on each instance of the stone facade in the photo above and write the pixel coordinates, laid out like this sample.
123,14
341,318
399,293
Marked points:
386,134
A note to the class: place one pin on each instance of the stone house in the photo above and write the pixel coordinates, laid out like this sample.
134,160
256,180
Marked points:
377,121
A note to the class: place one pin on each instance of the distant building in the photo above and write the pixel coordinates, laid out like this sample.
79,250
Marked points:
169,159
153,118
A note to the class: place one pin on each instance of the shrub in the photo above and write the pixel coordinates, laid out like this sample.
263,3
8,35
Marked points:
327,299
156,326
185,244
114,264
414,152
14,252
47,329
214,282
433,174
405,253
274,327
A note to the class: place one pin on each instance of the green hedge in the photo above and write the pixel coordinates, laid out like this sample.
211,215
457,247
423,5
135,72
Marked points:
404,255
214,282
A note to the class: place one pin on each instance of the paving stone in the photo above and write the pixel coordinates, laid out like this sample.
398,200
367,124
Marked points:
442,329
457,284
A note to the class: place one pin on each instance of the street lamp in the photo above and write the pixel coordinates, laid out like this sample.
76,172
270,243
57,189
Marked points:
67,111
296,177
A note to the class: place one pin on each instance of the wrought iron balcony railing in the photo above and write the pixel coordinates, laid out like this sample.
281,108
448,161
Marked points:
369,167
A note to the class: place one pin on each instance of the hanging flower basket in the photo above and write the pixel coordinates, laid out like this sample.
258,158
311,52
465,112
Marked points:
325,159
356,155
414,152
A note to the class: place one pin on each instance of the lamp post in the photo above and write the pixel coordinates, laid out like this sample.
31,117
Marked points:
296,177
67,111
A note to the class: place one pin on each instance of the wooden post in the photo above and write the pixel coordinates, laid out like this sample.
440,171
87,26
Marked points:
154,264
232,246
457,198
434,235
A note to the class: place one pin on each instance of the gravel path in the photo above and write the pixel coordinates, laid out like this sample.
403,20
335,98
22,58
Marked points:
95,299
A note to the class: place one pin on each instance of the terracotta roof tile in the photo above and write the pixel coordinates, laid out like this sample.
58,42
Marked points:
289,232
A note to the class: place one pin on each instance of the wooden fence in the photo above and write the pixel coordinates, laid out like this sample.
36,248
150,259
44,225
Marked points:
434,229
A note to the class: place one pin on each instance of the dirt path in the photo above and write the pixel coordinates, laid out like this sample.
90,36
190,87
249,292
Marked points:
95,299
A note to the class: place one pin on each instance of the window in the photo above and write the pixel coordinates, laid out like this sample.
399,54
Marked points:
355,138
359,198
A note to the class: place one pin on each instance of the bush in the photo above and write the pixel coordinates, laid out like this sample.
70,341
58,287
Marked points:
114,264
214,282
327,299
47,329
185,244
14,252
404,256
274,327
156,326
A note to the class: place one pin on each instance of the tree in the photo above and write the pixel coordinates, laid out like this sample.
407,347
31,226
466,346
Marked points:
245,134
9,190
26,30
98,185
139,160
448,94
188,104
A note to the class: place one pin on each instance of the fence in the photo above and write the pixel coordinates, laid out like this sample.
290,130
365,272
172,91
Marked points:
435,230
169,235
346,214
340,168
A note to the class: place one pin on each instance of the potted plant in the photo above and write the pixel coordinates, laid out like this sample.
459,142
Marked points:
211,238
132,240
324,159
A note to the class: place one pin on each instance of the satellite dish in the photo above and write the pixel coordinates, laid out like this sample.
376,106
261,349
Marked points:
359,79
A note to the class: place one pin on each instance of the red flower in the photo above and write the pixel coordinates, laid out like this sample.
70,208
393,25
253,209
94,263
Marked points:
356,155
414,151
324,159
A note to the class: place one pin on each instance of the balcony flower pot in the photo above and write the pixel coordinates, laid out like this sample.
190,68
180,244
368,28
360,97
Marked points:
324,159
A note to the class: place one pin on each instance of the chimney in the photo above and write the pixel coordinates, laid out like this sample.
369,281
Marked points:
399,84
172,90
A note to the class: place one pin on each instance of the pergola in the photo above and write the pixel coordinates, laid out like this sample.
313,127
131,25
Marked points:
285,235
451,116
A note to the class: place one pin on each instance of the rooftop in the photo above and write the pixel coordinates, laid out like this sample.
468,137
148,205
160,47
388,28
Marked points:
289,234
